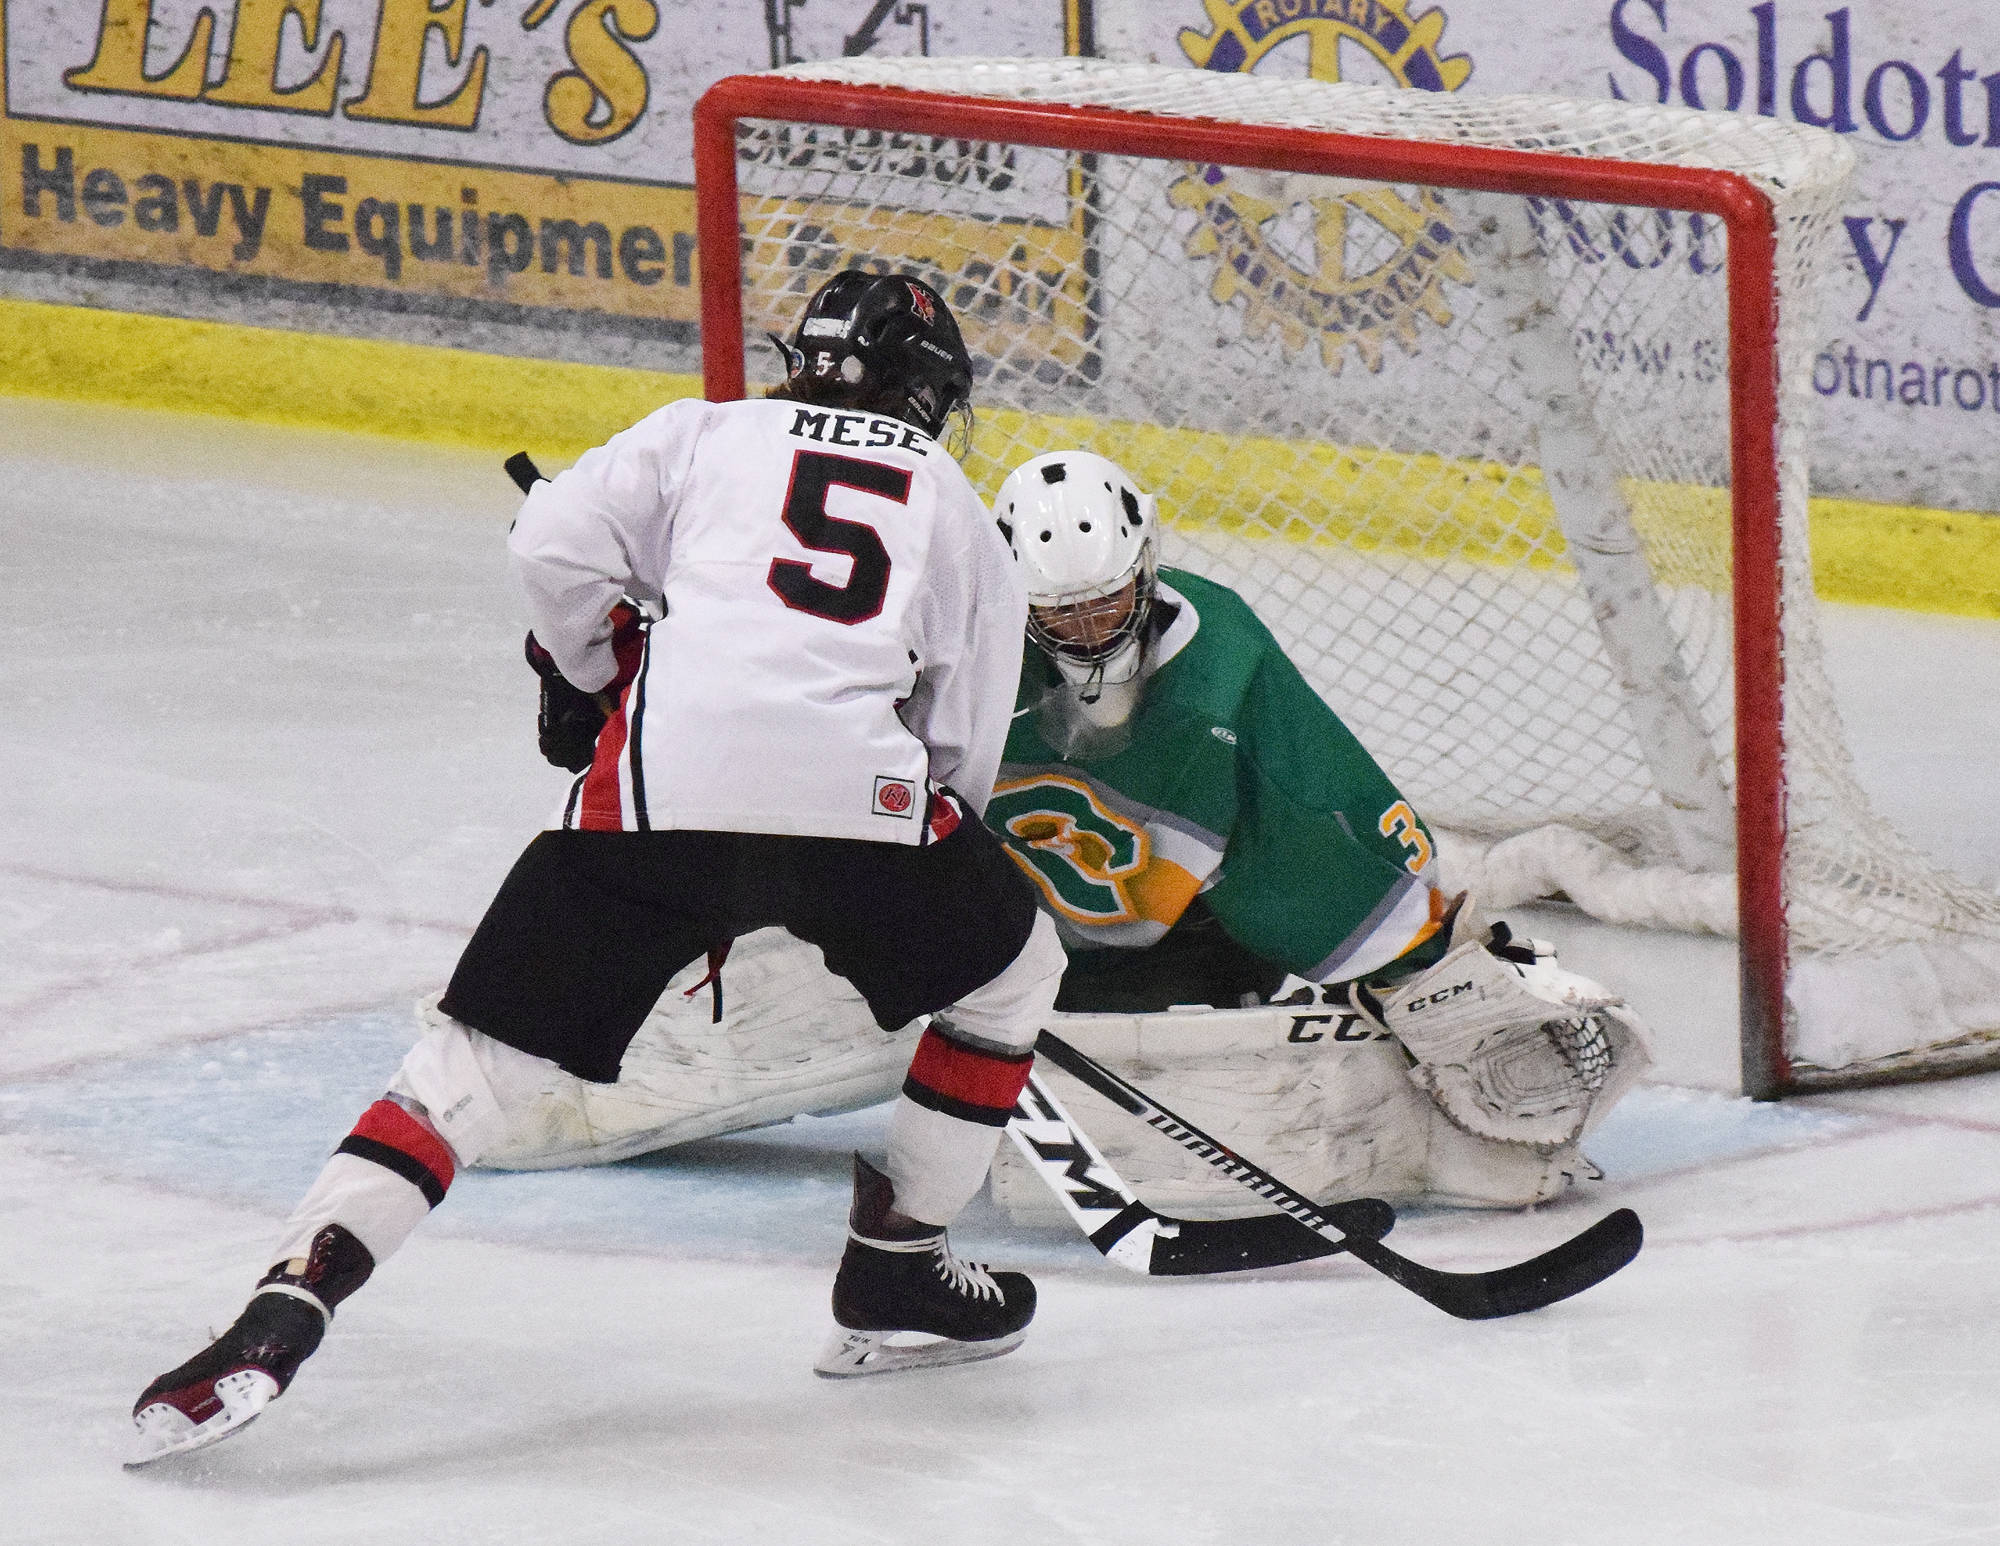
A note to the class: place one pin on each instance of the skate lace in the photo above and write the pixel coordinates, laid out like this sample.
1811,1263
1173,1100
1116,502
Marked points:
969,1278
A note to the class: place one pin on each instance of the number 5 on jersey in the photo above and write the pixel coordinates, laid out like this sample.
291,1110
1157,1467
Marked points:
814,475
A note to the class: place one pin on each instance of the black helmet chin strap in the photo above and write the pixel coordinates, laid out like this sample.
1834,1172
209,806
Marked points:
794,361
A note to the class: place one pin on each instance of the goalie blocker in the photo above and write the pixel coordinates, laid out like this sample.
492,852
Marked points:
1512,1072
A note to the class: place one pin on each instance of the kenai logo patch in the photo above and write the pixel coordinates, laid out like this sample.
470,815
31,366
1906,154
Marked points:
895,797
1251,223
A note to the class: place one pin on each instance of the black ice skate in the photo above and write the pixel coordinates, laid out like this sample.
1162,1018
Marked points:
224,1386
228,1383
896,1281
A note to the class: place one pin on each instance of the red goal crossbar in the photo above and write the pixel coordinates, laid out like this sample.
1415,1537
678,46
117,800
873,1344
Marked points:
1730,197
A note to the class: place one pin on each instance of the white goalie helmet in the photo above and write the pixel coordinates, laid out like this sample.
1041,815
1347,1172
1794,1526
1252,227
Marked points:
1083,532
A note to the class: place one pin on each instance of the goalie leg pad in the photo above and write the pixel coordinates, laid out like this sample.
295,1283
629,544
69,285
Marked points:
1462,1171
1312,1094
794,1039
1322,1098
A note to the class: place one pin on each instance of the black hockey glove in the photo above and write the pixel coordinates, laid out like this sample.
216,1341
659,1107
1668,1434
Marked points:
567,722
568,719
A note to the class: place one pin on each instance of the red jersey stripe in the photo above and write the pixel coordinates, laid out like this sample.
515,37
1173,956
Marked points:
942,819
602,809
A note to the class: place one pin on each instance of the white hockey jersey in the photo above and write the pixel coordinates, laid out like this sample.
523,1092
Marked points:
843,621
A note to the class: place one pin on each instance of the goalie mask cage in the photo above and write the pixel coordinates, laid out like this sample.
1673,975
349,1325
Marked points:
1494,409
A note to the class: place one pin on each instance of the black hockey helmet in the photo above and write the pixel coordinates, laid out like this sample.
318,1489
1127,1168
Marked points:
883,343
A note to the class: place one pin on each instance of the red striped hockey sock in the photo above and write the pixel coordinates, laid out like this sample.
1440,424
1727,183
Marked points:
397,1140
378,1186
947,1122
974,1084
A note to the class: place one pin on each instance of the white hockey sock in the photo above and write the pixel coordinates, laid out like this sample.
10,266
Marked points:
947,1123
968,1072
379,1185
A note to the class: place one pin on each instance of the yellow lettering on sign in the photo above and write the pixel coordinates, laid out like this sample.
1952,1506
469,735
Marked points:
410,227
606,93
251,79
396,76
120,63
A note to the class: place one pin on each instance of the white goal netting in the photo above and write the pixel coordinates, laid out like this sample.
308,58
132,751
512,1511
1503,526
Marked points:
1468,454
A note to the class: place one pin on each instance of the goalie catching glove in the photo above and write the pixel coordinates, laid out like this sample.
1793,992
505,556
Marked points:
568,719
1508,1045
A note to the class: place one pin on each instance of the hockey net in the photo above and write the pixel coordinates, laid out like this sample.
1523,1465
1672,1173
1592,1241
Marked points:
1495,410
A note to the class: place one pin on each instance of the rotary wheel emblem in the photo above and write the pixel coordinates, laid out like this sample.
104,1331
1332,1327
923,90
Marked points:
1386,300
1357,266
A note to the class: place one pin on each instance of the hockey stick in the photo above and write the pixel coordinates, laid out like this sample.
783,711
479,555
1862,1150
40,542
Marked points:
1131,1234
522,469
1568,1269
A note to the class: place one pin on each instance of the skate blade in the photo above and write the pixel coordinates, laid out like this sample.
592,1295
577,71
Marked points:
166,1430
852,1354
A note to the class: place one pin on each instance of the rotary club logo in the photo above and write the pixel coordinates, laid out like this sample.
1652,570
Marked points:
1357,267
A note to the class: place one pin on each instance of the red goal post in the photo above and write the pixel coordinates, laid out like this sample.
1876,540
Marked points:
1077,109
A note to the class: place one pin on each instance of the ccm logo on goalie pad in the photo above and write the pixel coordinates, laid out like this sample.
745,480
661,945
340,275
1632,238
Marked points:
1441,996
1347,1027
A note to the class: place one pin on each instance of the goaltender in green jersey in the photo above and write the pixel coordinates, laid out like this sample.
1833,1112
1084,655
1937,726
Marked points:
1196,818
1255,921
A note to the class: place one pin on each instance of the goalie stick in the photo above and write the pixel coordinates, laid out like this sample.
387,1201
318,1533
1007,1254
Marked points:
1556,1274
1131,1234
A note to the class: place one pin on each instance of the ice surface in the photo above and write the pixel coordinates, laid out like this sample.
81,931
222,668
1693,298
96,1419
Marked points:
267,751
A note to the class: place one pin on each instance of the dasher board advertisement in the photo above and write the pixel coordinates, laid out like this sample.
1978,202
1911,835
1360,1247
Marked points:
496,155
1907,375
531,158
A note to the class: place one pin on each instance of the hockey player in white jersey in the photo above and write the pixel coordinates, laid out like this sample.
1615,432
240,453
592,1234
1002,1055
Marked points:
805,739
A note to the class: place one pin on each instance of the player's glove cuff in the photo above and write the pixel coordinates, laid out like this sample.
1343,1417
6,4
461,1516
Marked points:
569,718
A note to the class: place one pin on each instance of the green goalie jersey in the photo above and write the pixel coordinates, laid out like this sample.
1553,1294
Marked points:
1238,785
